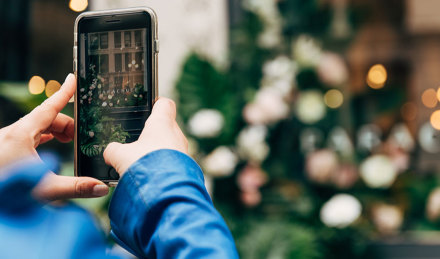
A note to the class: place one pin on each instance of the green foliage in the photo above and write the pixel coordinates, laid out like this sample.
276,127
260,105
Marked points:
96,130
305,16
279,239
202,86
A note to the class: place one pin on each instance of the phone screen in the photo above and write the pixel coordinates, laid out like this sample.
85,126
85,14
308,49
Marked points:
113,94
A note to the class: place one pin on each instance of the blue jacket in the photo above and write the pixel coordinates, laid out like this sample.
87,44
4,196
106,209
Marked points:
160,209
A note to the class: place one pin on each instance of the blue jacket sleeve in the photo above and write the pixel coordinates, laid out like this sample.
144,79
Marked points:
161,209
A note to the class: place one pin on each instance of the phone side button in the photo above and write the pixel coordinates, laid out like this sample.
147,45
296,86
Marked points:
74,65
156,46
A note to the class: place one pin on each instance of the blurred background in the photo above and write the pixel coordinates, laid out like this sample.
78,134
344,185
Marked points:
316,121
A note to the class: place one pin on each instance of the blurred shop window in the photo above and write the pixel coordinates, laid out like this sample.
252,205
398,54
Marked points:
14,39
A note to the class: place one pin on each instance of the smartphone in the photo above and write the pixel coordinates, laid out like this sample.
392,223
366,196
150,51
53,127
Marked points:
115,62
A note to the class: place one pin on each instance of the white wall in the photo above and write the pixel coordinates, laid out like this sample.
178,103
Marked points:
184,25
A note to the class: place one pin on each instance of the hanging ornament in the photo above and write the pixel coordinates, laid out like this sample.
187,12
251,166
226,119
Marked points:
339,141
310,139
369,137
401,137
340,27
429,138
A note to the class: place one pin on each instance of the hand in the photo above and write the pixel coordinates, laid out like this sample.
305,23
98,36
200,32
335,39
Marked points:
160,132
45,122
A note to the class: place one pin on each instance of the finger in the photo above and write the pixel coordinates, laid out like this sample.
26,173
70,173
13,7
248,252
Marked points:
46,138
111,154
164,108
43,115
55,187
62,128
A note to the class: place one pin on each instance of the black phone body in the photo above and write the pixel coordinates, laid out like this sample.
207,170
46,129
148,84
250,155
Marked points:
115,63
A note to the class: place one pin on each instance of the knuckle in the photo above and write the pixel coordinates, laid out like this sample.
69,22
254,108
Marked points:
80,189
168,103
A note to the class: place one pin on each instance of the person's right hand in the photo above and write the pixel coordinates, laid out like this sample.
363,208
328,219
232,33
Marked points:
160,132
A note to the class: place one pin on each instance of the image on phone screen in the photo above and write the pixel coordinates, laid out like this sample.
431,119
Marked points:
112,94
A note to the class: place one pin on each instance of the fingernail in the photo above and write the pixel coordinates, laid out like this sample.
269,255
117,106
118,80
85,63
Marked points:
67,77
100,190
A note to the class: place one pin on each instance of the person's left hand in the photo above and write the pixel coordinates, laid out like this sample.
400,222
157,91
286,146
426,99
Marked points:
19,141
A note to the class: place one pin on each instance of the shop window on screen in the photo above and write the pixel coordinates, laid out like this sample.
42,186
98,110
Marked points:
94,41
127,39
138,38
103,41
118,62
128,60
117,39
103,63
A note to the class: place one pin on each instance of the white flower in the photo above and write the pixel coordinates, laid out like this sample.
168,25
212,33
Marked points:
378,171
84,97
270,37
110,97
278,74
82,90
310,107
387,218
279,67
332,69
252,144
220,162
268,107
99,86
110,104
401,137
306,51
206,123
433,205
104,104
340,211
91,134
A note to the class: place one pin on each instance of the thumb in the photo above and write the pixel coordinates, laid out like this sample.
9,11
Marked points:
111,155
55,187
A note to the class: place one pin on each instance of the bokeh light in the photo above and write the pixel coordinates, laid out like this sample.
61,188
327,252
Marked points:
333,98
409,111
52,87
429,98
435,120
36,85
438,94
78,5
377,76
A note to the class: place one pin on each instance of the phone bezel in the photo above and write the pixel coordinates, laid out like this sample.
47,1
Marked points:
154,55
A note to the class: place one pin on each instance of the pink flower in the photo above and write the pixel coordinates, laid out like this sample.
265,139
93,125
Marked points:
251,178
321,165
268,107
251,199
332,69
345,177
